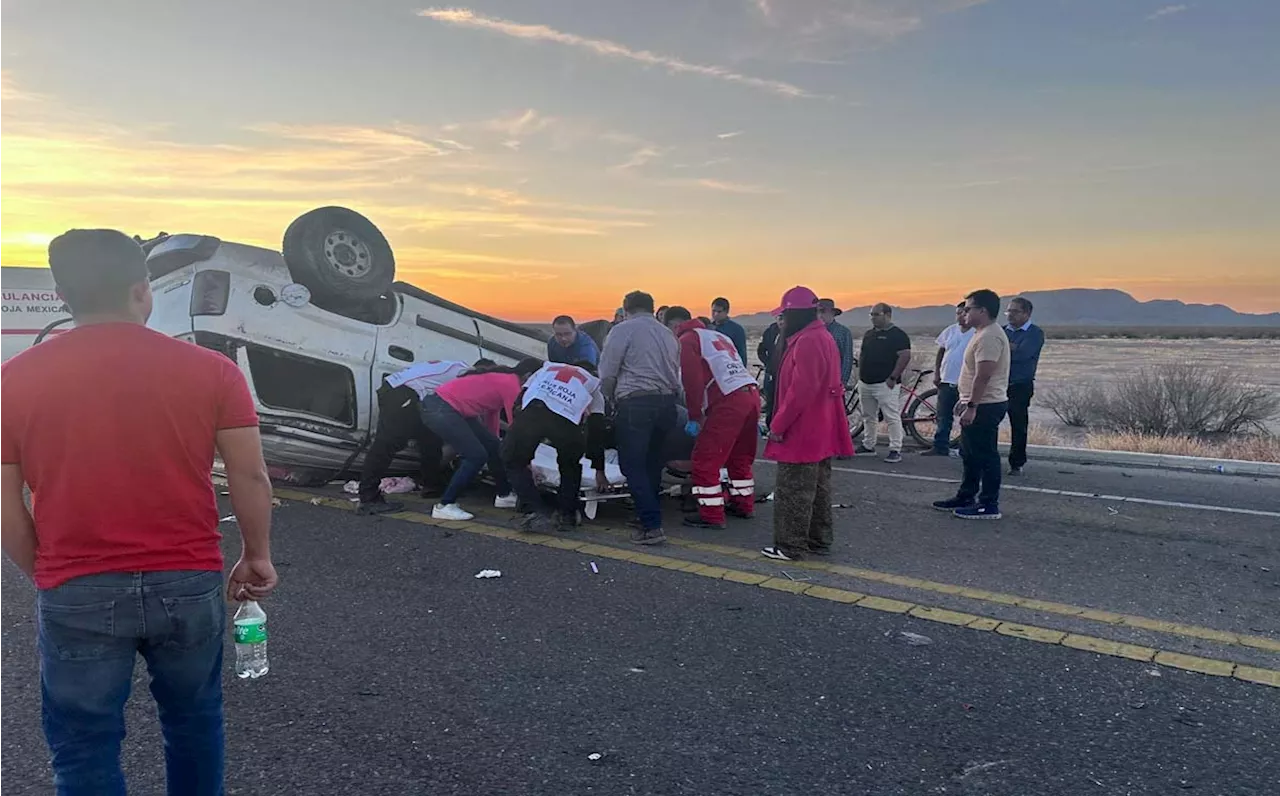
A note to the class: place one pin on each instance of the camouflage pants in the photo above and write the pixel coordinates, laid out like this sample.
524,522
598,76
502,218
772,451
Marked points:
802,508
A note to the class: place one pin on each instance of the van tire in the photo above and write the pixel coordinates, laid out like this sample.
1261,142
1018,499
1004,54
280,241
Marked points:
337,252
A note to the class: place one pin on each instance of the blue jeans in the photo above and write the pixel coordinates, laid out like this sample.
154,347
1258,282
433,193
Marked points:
948,397
89,631
641,428
980,448
475,445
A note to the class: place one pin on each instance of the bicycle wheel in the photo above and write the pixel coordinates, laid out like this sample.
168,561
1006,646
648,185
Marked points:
853,410
921,419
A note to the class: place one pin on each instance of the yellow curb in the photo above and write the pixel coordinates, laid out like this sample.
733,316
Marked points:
983,623
1030,632
782,584
1051,607
885,604
710,572
674,563
564,544
942,615
1194,663
990,596
693,567
834,595
607,552
649,560
1260,642
749,578
1101,616
1106,647
1255,675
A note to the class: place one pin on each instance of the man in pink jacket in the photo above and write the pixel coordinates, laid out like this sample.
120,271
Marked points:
808,429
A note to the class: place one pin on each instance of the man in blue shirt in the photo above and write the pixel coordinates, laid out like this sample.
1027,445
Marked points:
570,345
1026,340
722,323
827,313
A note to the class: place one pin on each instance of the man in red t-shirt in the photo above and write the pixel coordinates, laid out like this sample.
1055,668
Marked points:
114,429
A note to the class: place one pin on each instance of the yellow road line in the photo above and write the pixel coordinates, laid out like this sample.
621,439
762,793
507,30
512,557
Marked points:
1101,646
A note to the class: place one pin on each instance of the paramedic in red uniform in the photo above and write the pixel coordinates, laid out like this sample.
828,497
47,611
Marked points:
724,417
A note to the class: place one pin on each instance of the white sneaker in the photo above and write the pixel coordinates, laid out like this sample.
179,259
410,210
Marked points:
505,501
450,511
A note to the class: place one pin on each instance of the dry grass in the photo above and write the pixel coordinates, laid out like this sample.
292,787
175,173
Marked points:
1247,448
1037,434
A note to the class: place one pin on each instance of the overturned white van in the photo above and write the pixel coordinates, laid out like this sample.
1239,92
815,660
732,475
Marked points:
314,328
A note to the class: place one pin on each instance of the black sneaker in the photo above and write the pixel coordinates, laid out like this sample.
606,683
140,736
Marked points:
378,506
1015,471
538,523
863,449
894,457
951,504
569,520
777,554
820,551
978,513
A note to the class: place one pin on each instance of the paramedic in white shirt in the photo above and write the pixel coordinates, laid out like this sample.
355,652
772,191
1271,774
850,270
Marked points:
562,405
399,422
946,374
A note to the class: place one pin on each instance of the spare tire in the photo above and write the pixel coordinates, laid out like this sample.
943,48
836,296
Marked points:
337,252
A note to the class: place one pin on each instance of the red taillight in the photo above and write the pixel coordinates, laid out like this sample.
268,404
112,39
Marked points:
210,291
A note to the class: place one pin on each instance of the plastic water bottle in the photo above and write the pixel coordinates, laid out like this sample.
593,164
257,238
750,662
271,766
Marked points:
251,640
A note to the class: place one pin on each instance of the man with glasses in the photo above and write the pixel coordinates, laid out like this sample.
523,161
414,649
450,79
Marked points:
886,353
984,382
1026,340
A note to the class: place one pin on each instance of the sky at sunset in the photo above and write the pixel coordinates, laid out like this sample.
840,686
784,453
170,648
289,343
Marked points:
528,157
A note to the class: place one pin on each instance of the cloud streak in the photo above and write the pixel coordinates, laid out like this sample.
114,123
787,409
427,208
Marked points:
1167,11
604,48
727,136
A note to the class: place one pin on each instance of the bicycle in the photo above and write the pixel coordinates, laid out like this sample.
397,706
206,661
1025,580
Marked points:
919,410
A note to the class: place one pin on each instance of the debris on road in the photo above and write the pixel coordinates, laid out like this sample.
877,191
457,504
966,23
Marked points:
594,756
276,503
842,505
390,486
594,568
1112,511
228,518
914,639
489,573
315,501
766,499
789,576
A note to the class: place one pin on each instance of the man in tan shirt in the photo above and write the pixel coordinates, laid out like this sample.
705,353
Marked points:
984,400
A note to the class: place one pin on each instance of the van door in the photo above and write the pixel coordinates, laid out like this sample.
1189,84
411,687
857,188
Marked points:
403,342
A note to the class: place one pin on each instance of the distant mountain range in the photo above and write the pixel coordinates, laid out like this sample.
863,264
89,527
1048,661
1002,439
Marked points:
1072,307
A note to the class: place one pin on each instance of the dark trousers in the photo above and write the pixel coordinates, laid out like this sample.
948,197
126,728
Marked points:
475,445
641,426
802,515
768,393
531,426
399,421
980,448
1019,418
90,631
948,397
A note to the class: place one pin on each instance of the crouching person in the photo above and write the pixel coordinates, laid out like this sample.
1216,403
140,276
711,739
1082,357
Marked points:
399,421
558,401
724,418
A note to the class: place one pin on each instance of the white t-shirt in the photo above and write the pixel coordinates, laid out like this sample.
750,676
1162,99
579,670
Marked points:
567,390
425,378
953,341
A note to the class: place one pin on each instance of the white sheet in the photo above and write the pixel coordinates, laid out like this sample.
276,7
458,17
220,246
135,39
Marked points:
547,472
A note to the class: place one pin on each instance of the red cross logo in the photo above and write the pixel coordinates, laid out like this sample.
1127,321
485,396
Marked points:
567,373
722,343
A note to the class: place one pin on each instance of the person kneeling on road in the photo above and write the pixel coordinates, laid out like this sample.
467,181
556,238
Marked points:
558,400
724,418
465,413
400,420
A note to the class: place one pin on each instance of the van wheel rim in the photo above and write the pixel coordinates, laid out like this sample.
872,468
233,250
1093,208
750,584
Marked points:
347,254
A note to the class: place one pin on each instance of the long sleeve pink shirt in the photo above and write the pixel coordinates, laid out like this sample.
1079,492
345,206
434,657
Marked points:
483,396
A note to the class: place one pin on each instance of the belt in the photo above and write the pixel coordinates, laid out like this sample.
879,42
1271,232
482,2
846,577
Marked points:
645,394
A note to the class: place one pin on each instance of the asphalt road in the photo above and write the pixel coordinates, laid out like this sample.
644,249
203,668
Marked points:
395,671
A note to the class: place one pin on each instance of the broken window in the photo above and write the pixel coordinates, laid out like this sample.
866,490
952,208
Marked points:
300,384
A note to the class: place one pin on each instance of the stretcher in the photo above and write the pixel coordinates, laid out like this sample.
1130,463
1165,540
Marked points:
546,474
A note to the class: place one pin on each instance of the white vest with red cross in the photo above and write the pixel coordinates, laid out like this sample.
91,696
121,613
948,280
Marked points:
567,390
721,355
